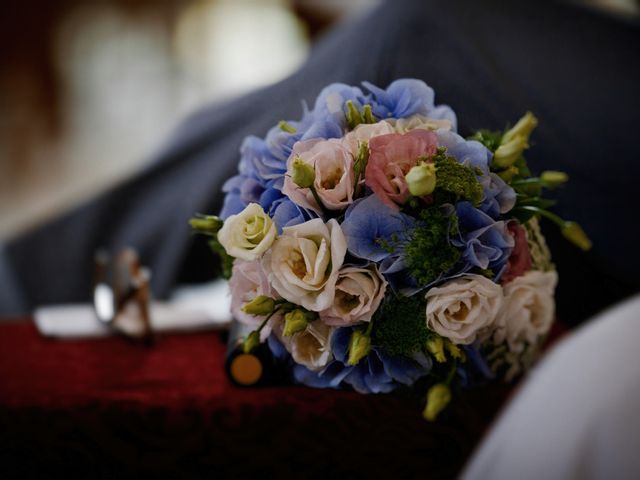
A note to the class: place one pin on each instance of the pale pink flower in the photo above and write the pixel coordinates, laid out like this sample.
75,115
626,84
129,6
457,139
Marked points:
364,133
359,292
333,167
390,159
249,280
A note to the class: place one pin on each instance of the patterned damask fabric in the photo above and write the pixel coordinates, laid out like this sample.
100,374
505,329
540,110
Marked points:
113,409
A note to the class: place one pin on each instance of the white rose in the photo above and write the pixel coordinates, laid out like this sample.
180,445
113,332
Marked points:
310,347
528,309
463,309
359,292
305,261
404,125
248,281
248,234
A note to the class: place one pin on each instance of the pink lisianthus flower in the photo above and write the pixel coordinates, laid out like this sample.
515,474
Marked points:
390,159
249,280
333,167
520,260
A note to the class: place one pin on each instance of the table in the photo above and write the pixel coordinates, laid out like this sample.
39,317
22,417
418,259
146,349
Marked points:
110,409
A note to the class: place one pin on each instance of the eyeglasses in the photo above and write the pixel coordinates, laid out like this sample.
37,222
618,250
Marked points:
121,294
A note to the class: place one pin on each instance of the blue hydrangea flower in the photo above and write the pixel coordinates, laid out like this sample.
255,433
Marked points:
407,97
285,213
499,197
377,373
330,105
468,152
369,223
485,243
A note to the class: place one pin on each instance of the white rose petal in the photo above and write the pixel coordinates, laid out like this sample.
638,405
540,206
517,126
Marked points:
305,261
463,309
528,309
248,234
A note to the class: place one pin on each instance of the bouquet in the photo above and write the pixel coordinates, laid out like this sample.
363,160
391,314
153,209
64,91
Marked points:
370,246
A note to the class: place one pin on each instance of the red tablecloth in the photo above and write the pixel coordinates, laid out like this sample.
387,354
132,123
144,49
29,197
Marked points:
110,408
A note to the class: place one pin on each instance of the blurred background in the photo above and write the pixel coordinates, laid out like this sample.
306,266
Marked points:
90,88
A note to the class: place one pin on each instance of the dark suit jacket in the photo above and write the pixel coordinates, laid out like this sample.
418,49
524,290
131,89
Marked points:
577,70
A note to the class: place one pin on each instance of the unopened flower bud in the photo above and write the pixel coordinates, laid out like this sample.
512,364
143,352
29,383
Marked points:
302,174
508,174
435,346
576,235
421,179
251,341
295,321
552,178
507,153
260,305
206,224
438,397
359,347
523,128
286,127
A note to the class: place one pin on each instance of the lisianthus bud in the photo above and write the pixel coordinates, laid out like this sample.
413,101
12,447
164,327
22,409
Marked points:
552,178
359,347
251,341
438,397
302,173
295,321
260,305
435,346
508,174
421,179
507,153
523,128
206,224
576,235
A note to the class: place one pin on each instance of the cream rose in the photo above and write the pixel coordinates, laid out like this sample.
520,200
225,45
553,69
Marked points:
359,291
528,309
333,167
310,347
404,125
248,234
305,261
248,280
464,308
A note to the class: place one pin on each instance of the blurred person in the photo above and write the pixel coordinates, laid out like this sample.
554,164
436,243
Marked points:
575,68
576,415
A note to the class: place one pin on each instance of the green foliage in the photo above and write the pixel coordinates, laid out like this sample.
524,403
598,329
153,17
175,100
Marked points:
455,182
226,260
429,253
488,138
399,327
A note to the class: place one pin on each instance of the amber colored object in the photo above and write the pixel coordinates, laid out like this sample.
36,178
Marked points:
245,369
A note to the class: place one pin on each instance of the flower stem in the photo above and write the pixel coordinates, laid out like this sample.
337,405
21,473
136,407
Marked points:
317,199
